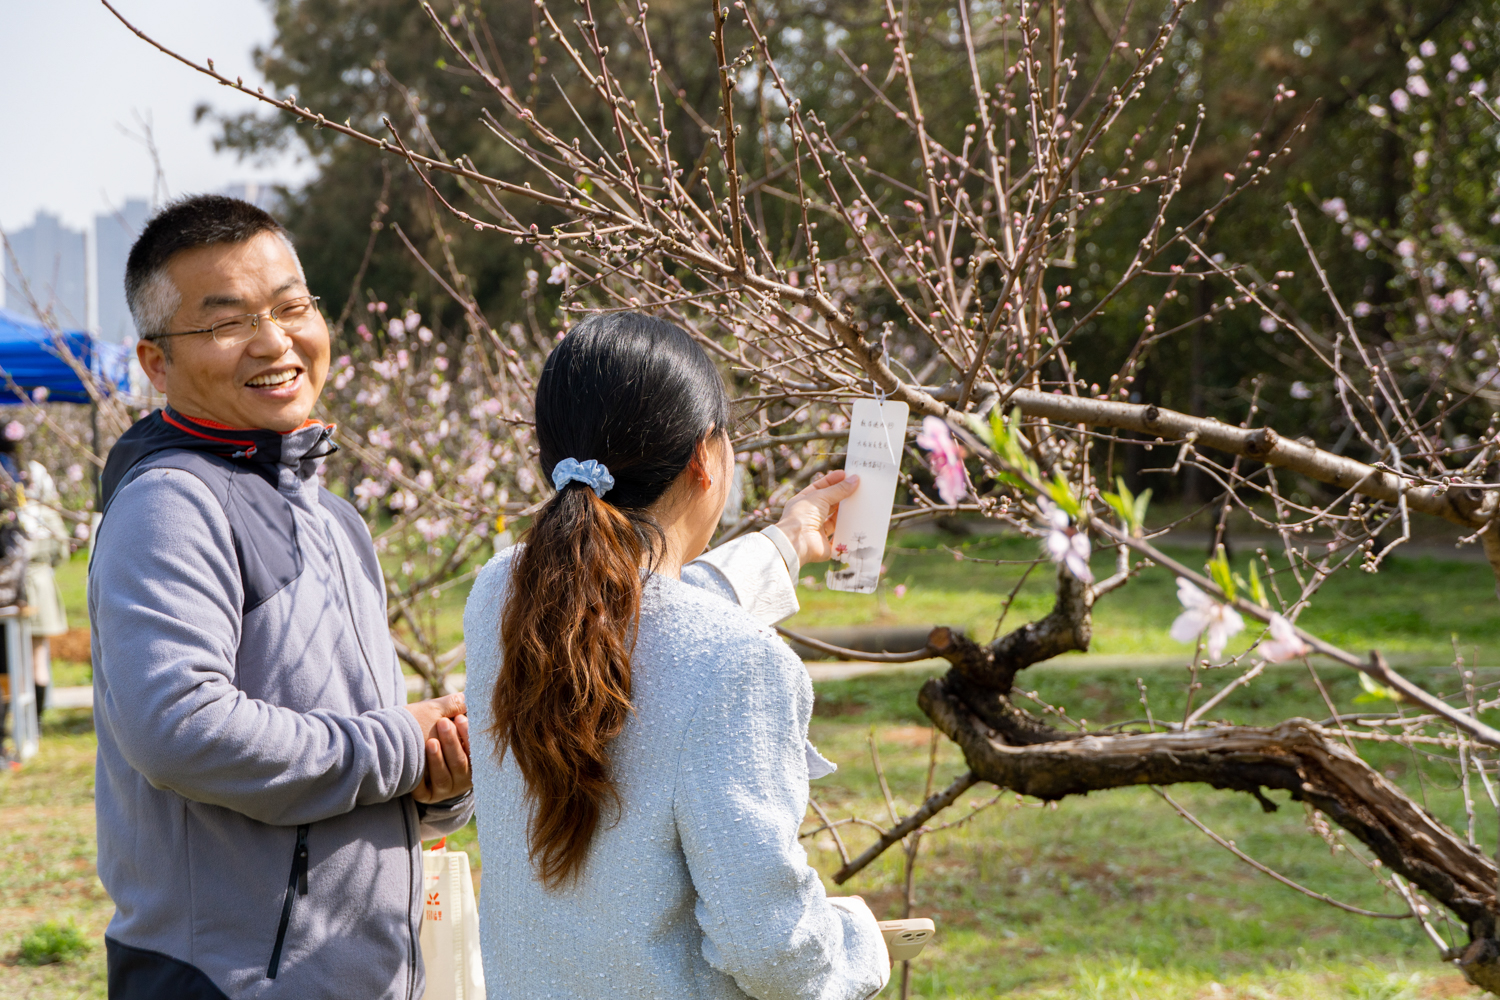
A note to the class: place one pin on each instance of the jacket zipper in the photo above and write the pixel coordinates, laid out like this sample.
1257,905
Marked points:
411,889
296,885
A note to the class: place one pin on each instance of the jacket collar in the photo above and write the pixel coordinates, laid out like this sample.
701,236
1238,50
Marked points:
262,450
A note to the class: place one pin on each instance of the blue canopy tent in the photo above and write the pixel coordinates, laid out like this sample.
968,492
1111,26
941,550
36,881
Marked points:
31,356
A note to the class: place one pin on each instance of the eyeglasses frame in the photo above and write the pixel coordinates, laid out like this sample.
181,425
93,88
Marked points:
254,321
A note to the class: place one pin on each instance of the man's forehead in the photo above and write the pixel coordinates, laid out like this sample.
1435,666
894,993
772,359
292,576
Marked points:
233,274
213,300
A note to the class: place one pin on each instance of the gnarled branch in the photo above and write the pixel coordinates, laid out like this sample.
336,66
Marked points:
1295,756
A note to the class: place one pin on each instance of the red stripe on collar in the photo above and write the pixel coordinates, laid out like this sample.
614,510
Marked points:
214,424
168,417
205,422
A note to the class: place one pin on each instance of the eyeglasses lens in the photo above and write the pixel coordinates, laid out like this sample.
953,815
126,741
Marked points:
290,316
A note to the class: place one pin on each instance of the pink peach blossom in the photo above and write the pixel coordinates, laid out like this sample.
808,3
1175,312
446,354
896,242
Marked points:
945,459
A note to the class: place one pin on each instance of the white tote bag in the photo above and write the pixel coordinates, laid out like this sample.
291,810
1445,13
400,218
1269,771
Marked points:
450,927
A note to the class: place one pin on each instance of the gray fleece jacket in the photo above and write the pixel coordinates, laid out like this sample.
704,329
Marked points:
255,823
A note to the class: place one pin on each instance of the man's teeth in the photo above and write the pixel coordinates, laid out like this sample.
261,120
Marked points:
276,378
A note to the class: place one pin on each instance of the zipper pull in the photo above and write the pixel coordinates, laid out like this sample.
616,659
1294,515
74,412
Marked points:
302,861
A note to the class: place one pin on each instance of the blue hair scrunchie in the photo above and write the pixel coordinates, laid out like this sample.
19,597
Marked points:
591,473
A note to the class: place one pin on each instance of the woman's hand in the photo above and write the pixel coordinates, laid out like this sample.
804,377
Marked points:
809,517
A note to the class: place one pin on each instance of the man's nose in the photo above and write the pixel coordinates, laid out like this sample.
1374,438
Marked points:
270,340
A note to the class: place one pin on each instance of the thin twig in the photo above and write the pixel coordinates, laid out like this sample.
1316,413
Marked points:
925,653
928,809
1228,845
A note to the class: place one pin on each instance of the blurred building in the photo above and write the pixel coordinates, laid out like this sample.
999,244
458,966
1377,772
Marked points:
114,233
48,266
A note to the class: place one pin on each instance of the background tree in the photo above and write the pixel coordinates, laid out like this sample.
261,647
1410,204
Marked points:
1260,73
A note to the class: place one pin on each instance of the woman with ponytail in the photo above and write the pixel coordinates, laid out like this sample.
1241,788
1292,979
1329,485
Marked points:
640,757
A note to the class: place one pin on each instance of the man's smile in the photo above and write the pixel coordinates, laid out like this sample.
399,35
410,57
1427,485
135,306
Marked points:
267,380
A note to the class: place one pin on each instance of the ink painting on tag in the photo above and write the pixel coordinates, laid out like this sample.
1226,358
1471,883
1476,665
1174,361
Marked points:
877,436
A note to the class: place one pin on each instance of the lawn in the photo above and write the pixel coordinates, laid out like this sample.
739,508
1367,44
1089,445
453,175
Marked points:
1109,896
1413,609
47,861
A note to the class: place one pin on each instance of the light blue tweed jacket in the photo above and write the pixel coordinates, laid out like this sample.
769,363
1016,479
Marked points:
700,889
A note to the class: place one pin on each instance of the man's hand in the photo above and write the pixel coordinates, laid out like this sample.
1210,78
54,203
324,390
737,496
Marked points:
449,773
445,729
809,517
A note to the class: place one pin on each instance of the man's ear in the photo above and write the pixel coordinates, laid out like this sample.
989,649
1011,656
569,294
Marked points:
154,363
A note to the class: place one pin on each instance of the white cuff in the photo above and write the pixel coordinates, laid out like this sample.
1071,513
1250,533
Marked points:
818,766
757,573
859,913
784,546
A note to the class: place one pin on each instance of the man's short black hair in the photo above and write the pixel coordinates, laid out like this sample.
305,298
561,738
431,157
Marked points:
199,220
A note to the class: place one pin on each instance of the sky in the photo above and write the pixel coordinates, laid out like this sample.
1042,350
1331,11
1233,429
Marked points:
73,77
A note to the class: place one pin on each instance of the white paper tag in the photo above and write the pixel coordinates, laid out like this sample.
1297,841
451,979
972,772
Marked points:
877,435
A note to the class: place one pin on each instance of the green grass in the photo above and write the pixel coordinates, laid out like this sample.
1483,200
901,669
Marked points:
72,584
53,941
1411,610
66,673
47,857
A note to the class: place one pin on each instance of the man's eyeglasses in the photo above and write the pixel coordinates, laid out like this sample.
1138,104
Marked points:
291,316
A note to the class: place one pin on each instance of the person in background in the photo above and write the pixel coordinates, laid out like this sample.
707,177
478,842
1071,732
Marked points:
644,767
14,555
48,535
10,433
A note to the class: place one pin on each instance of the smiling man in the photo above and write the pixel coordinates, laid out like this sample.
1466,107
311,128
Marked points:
262,785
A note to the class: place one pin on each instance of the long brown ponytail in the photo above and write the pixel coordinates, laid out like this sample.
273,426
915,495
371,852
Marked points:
638,396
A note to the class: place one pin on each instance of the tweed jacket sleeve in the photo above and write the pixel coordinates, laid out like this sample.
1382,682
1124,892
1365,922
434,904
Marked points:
740,796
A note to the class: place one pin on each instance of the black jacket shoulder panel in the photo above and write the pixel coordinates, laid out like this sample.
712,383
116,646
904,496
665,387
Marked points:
214,473
260,519
265,537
